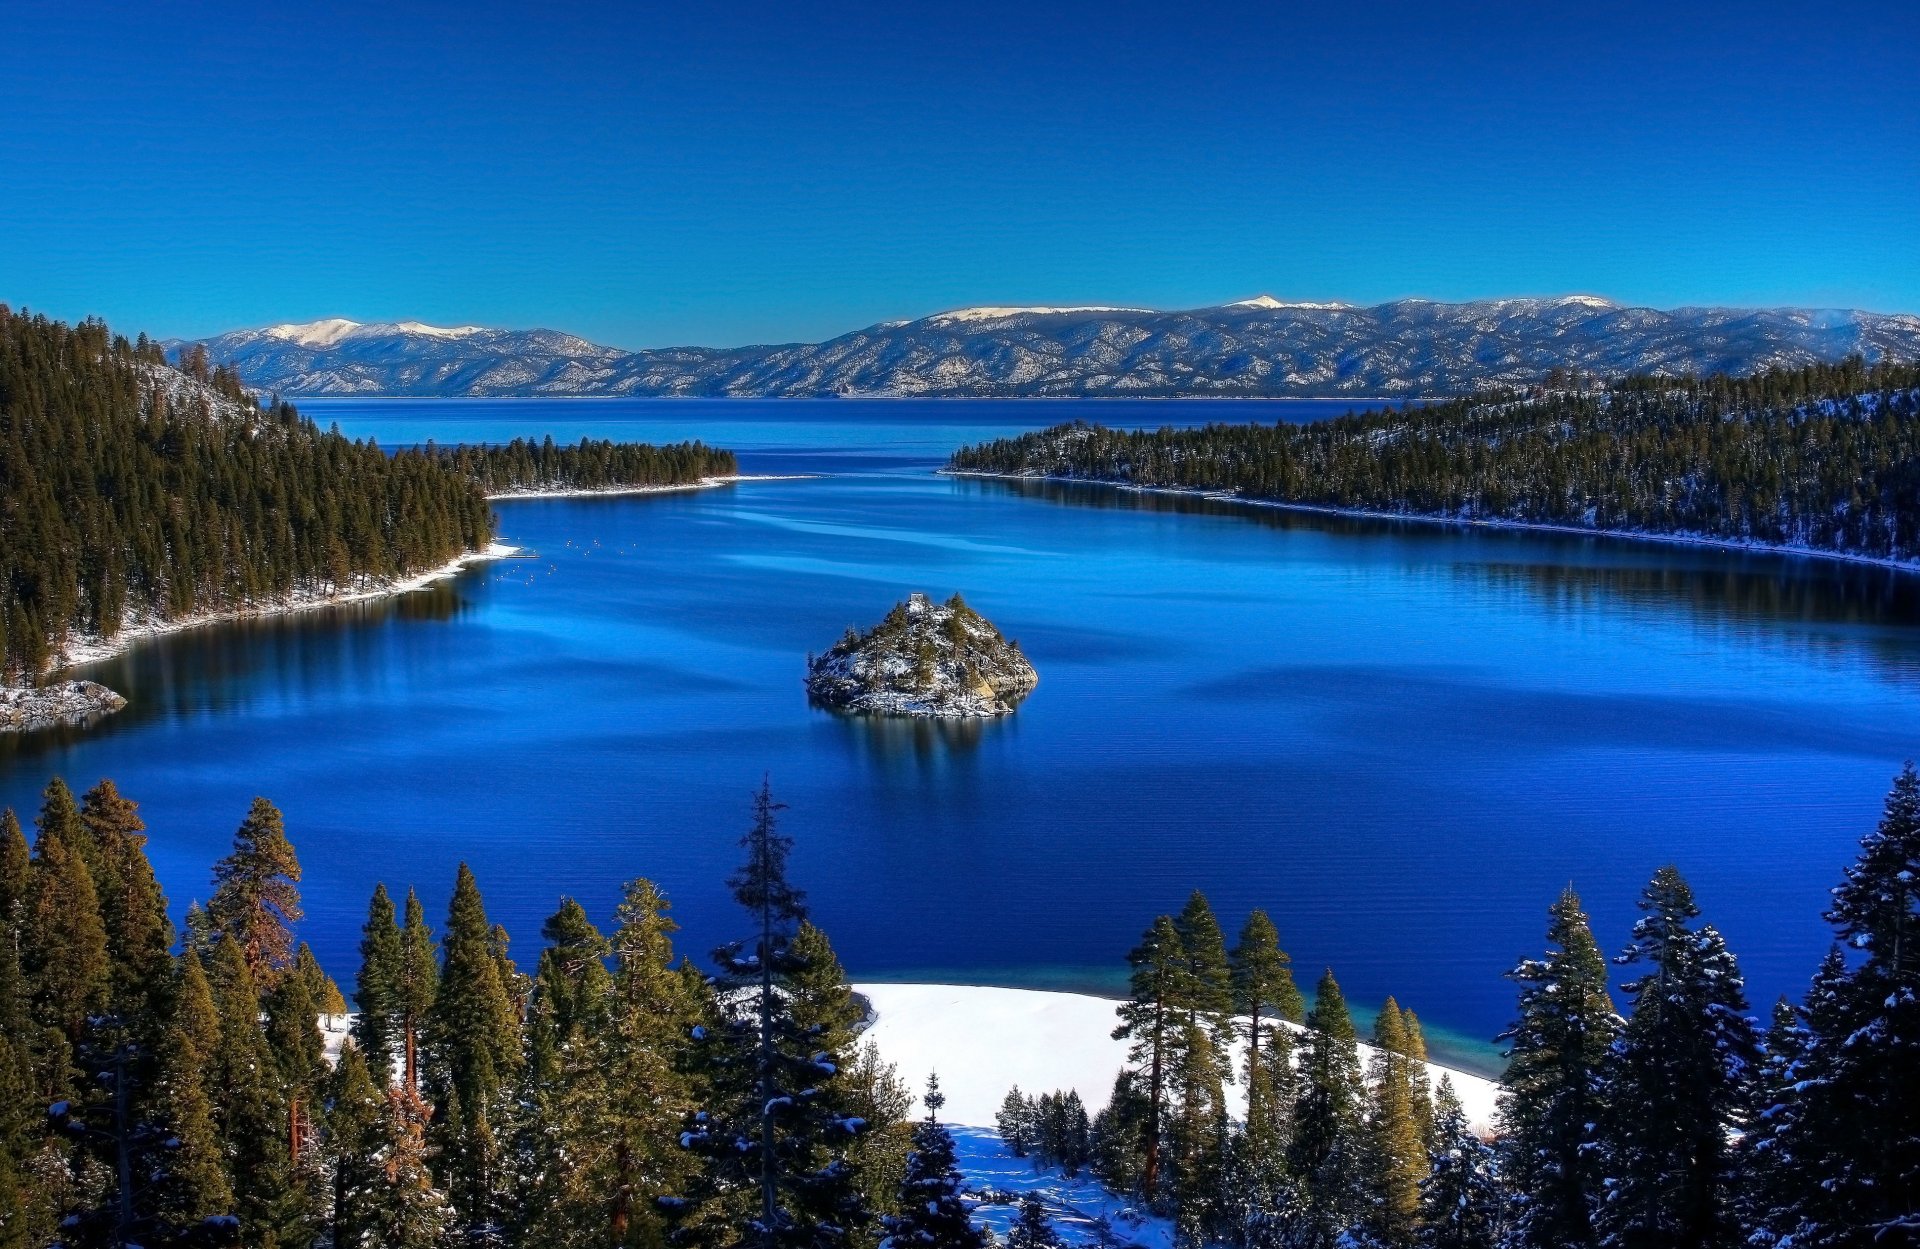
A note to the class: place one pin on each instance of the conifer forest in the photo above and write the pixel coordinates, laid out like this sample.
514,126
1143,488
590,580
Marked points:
163,1088
1819,458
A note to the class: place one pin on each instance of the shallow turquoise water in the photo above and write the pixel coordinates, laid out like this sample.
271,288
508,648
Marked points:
1401,740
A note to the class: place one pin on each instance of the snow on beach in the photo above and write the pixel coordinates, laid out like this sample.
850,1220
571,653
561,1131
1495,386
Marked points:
983,1041
705,483
86,650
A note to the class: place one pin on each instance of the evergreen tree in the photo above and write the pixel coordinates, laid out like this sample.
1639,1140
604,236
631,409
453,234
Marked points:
68,969
1552,1094
417,987
932,1215
473,1043
1848,1149
356,1142
377,988
776,1149
132,907
1205,1066
1015,1122
1399,1159
250,1109
189,1047
1032,1229
1460,1200
1328,1151
404,1209
1264,994
1153,1019
1679,1083
256,896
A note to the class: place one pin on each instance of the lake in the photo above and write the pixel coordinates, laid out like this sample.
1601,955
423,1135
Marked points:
1402,740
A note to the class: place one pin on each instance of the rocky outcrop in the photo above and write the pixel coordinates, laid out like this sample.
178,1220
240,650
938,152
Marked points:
924,659
22,710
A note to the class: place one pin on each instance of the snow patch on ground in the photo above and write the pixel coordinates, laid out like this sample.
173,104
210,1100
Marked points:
983,1041
1083,1212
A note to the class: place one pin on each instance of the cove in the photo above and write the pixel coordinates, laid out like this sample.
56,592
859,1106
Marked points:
1401,740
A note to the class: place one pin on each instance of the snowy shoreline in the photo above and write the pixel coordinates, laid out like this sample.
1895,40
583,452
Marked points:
705,483
983,1041
1741,546
94,649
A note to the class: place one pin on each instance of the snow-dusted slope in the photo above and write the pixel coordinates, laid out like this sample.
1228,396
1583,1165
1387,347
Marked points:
1258,346
924,659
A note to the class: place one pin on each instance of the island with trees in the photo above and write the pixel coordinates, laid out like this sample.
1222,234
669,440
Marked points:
923,659
1820,460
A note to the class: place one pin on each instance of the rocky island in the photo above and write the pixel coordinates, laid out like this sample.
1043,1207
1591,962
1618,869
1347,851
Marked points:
923,659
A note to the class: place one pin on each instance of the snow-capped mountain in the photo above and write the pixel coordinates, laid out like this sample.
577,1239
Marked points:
1258,346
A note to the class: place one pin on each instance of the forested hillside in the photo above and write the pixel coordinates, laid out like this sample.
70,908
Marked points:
134,492
1824,457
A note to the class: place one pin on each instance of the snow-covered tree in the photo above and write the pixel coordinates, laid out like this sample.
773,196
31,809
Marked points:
1551,1103
932,1214
1846,1150
1460,1200
1678,1085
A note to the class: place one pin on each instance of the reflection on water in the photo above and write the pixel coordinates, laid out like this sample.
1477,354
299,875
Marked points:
1402,740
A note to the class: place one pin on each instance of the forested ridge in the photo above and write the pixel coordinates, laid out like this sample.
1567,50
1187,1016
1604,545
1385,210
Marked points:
524,465
1825,457
130,491
171,1093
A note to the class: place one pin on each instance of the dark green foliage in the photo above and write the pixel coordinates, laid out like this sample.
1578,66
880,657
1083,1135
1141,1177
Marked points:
932,1215
1554,1086
132,907
1845,1147
1823,457
776,1134
377,989
1328,1152
132,491
527,466
1679,1083
1032,1229
473,1049
256,895
1460,1200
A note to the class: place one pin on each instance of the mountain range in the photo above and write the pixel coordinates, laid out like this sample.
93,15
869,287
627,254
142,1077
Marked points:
1253,347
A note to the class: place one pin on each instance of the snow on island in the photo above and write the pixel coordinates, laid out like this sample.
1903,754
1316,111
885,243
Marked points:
25,709
923,660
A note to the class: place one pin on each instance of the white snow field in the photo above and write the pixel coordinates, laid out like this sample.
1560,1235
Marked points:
984,1041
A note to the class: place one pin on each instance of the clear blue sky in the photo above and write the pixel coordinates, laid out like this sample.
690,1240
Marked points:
742,172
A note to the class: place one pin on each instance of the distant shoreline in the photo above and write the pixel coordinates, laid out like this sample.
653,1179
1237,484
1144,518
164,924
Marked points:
300,399
705,483
1631,535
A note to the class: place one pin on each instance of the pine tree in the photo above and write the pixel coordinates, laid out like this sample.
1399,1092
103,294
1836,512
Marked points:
1032,1229
250,1110
1848,1150
775,1147
68,969
932,1215
189,1047
1153,1019
1264,993
132,907
473,1044
1328,1151
1015,1122
1552,1095
376,989
404,1209
356,1140
1398,1154
256,896
1460,1200
417,986
1679,1083
1204,1067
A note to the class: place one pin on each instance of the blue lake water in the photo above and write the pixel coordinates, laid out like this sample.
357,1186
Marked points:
1401,740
